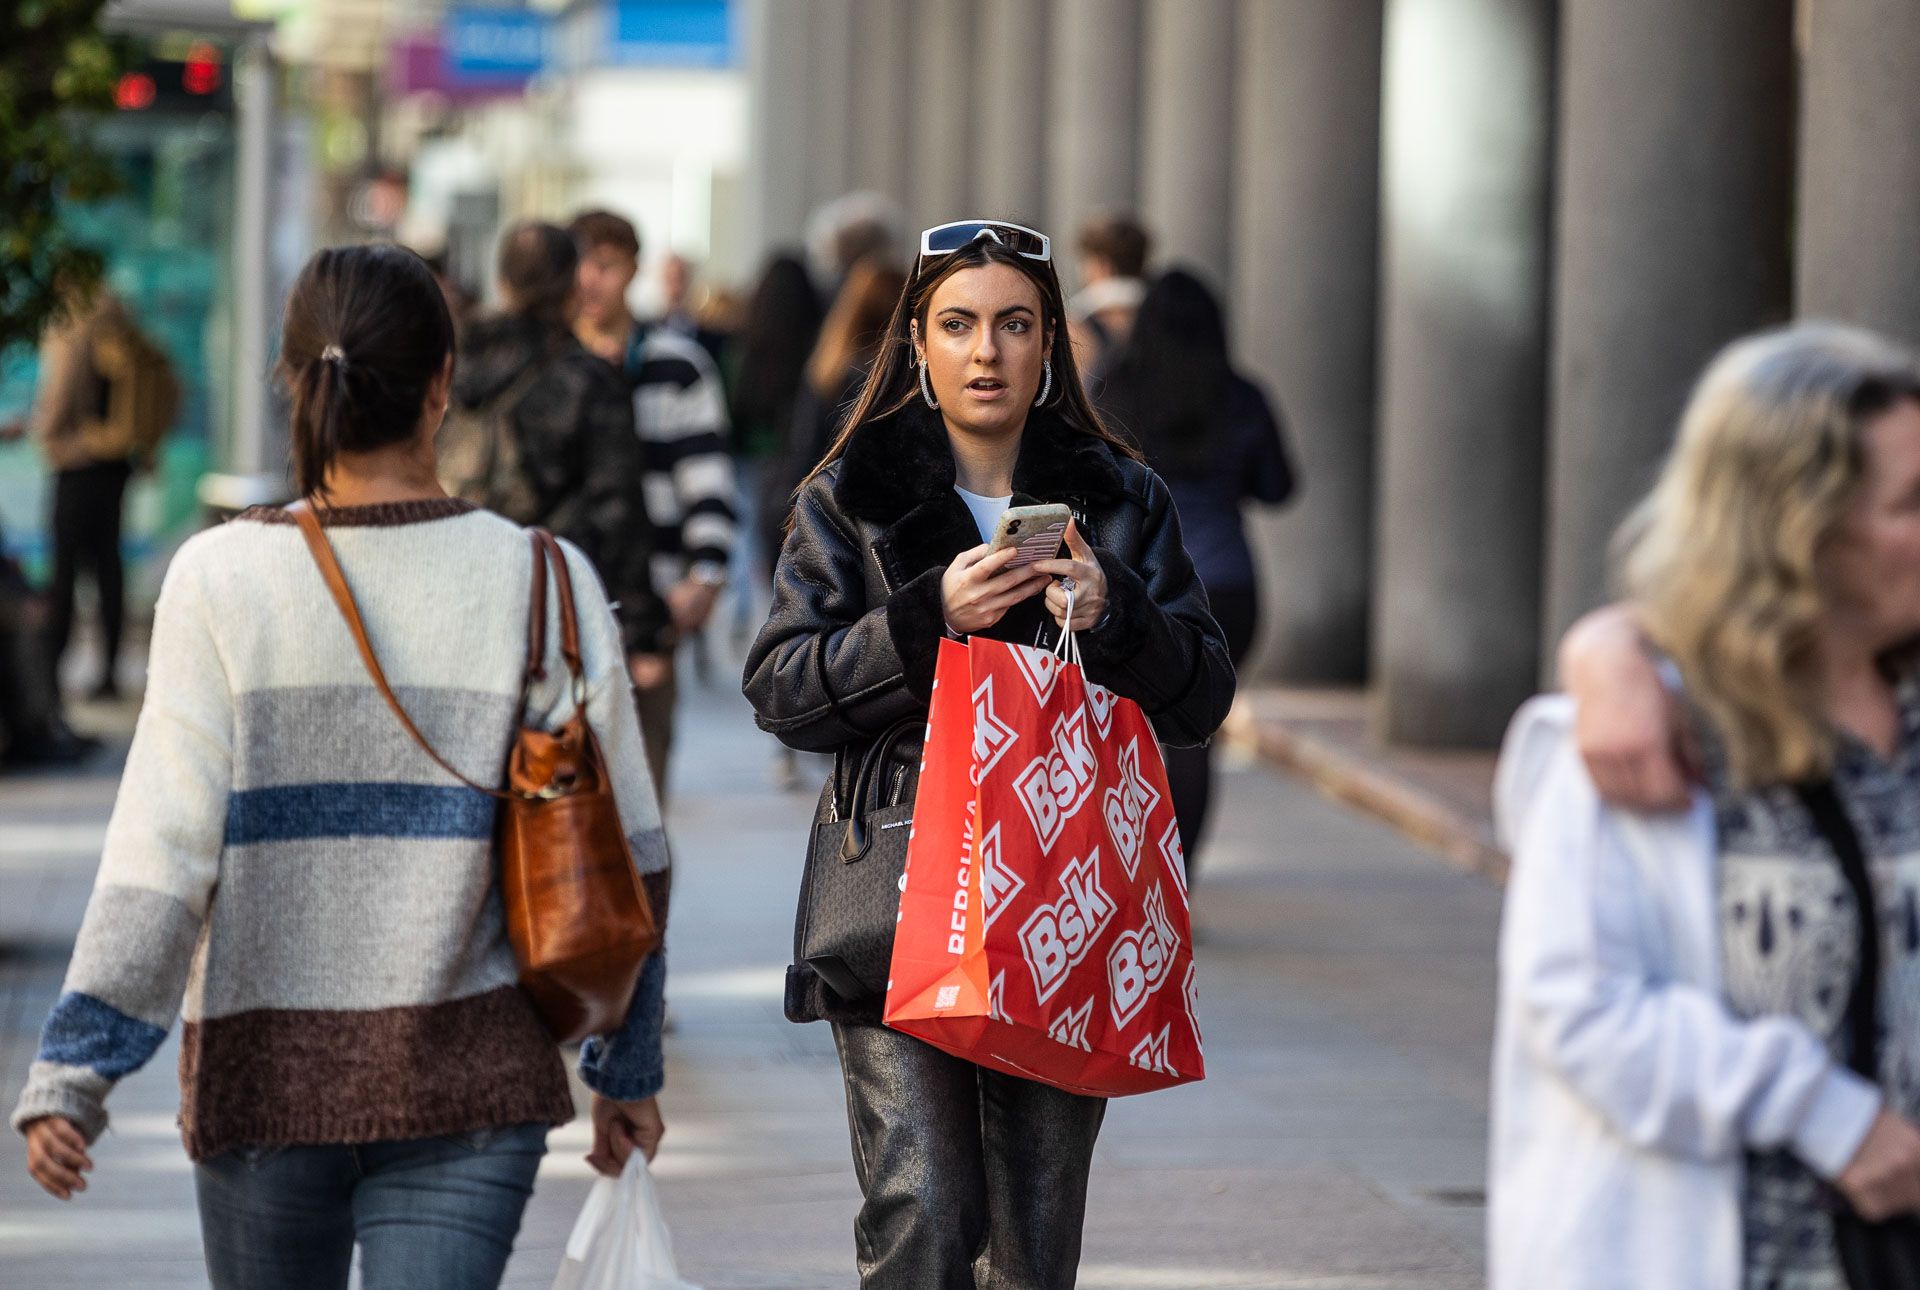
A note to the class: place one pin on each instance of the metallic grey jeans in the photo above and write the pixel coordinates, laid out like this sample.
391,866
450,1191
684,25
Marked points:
973,1180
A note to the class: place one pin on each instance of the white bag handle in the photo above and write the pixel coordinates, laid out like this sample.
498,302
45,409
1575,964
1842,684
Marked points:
1067,648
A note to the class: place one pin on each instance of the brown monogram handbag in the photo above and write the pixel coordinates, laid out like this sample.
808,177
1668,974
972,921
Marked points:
577,915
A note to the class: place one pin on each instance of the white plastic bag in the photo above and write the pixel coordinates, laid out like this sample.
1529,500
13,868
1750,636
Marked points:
621,1241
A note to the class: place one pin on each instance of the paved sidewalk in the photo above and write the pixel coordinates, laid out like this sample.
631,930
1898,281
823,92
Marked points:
1346,988
1440,798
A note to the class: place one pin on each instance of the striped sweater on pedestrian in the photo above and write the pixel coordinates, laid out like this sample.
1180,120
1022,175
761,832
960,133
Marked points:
290,873
680,413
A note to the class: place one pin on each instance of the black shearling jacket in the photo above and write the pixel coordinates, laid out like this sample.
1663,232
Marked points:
850,645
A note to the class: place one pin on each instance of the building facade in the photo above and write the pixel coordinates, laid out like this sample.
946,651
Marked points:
1476,249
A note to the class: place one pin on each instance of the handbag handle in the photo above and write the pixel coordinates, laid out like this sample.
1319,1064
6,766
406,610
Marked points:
853,844
545,551
1863,1000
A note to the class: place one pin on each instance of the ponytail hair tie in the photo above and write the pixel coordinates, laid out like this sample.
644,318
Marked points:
334,354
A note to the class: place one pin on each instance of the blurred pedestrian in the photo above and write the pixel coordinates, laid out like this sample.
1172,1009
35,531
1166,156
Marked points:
459,300
1213,436
1113,251
680,413
782,323
684,309
33,731
852,335
835,372
541,432
972,402
853,227
1709,1019
105,398
359,1065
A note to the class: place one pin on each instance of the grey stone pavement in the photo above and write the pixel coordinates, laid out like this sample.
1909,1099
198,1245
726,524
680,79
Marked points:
1346,992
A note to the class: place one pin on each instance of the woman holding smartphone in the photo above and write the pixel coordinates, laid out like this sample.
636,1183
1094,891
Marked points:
972,406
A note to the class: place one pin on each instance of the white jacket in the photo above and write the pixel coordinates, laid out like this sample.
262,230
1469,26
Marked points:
1624,1092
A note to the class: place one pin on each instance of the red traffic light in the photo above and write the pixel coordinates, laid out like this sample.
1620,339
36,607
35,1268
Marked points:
202,73
135,92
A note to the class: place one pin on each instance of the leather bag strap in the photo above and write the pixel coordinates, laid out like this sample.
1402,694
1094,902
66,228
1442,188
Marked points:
336,580
536,620
569,618
1863,1001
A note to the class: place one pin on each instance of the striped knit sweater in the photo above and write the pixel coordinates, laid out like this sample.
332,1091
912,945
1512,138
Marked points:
285,857
680,412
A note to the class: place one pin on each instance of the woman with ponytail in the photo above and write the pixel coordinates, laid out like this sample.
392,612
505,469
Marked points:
358,1065
971,404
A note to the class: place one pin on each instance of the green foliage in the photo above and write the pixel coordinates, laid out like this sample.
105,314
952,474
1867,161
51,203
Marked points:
55,66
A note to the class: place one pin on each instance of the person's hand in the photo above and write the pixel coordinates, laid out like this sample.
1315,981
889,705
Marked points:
1628,726
619,1127
57,1156
977,589
1883,1178
691,603
12,431
648,671
1089,584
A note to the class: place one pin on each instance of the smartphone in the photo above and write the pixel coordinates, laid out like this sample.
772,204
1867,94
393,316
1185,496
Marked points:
1036,530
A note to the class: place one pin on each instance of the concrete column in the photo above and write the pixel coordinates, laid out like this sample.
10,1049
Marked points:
1466,181
1859,205
1094,149
259,444
1305,239
778,122
1010,110
1187,131
940,163
883,101
828,150
1673,236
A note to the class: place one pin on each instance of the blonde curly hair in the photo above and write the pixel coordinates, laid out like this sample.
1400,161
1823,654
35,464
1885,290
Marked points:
1720,558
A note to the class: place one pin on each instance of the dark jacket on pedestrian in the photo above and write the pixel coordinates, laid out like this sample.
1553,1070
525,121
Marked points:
542,432
850,646
1241,457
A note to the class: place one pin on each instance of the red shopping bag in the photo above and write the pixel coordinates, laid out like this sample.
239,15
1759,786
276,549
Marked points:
1043,918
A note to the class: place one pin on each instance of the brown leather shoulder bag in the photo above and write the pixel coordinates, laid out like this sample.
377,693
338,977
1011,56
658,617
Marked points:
577,914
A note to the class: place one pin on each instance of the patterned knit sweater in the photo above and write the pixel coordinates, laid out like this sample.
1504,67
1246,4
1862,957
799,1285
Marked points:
324,897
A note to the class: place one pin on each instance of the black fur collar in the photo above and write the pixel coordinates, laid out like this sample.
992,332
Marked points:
901,461
898,472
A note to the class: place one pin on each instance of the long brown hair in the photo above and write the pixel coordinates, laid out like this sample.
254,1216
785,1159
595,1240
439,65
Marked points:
855,326
892,382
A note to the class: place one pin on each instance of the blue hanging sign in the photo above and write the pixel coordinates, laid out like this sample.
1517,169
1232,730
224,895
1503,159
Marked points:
494,48
672,33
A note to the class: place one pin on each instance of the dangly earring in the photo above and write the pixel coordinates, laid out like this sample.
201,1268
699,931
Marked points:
926,387
1046,382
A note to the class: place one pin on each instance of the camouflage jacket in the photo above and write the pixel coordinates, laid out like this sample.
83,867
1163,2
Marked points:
541,432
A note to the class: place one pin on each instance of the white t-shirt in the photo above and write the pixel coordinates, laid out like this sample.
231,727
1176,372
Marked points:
986,510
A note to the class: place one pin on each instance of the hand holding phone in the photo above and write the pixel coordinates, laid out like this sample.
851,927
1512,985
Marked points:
1036,530
983,583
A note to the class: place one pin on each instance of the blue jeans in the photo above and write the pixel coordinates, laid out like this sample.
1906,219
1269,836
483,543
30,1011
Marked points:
428,1214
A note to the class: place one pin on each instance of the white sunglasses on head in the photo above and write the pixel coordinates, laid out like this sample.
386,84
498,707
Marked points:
944,239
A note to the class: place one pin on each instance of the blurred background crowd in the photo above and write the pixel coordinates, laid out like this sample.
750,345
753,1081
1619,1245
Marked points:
1476,249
